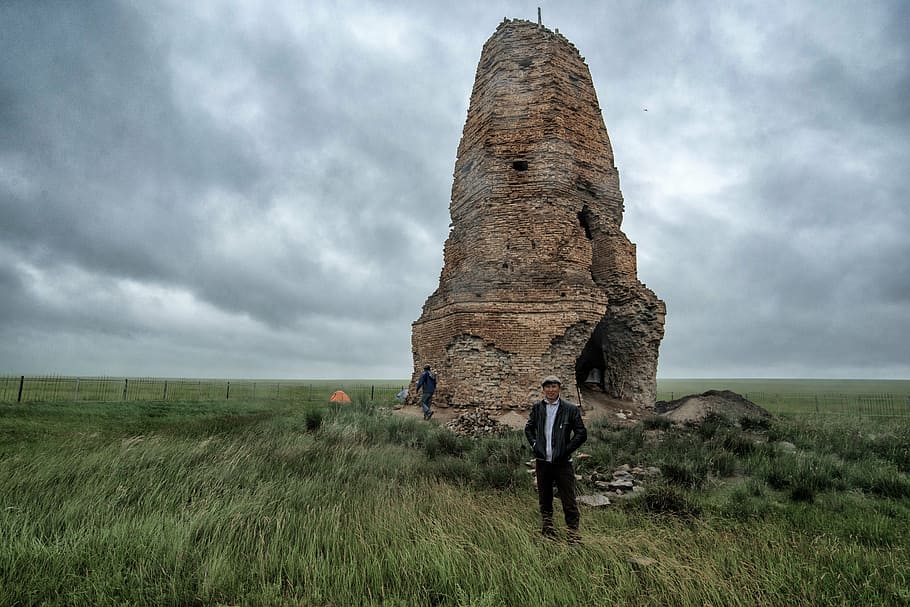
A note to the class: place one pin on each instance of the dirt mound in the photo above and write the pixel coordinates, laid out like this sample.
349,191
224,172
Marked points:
696,407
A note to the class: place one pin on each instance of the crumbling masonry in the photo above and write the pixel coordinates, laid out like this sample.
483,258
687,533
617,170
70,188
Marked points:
538,277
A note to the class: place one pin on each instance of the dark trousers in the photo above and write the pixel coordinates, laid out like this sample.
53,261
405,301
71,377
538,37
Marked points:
563,477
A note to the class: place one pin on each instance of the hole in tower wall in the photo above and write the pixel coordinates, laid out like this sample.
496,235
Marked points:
520,165
584,219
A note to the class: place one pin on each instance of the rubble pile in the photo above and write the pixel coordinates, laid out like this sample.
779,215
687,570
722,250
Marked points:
625,479
476,424
621,482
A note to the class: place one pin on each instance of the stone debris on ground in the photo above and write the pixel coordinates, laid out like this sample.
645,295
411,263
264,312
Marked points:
785,446
476,424
594,501
621,482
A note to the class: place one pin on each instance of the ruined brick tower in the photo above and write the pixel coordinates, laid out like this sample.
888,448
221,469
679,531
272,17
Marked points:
538,278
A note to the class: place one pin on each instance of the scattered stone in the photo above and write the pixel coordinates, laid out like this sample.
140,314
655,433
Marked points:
621,482
476,424
786,446
595,501
624,480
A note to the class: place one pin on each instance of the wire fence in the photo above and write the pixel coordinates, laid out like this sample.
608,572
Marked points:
825,403
23,389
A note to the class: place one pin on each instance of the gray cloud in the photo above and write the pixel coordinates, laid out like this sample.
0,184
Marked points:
261,189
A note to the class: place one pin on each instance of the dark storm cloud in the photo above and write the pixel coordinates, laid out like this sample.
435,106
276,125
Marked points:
108,158
261,189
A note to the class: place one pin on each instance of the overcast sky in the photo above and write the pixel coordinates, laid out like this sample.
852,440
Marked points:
261,189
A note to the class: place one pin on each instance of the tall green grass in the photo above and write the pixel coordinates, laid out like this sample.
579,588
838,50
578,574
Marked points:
301,503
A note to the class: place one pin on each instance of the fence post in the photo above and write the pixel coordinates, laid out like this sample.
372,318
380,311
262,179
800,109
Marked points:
165,390
254,389
371,392
76,394
125,384
21,383
228,395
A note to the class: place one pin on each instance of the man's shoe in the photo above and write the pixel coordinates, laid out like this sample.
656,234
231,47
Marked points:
430,414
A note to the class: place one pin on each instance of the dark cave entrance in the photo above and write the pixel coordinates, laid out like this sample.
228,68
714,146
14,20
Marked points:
590,366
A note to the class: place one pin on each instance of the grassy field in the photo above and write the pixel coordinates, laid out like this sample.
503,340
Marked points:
51,388
799,396
786,386
264,502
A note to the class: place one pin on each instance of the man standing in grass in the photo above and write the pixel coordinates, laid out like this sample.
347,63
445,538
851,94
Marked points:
554,431
427,381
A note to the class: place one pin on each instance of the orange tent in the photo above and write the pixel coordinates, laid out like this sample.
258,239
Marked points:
338,396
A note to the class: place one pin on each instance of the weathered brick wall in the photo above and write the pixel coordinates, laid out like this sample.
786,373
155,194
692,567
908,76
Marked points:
538,277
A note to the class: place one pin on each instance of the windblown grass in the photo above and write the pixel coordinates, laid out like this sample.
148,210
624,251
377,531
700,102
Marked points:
276,503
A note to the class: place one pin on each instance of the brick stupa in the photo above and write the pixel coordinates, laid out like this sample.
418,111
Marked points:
538,277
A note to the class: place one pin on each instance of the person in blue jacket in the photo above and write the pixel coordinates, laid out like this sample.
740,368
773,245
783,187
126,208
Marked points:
554,431
427,382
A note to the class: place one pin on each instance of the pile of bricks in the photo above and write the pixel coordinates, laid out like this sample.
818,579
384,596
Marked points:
476,424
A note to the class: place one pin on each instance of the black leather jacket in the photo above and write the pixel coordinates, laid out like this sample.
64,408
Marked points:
568,430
